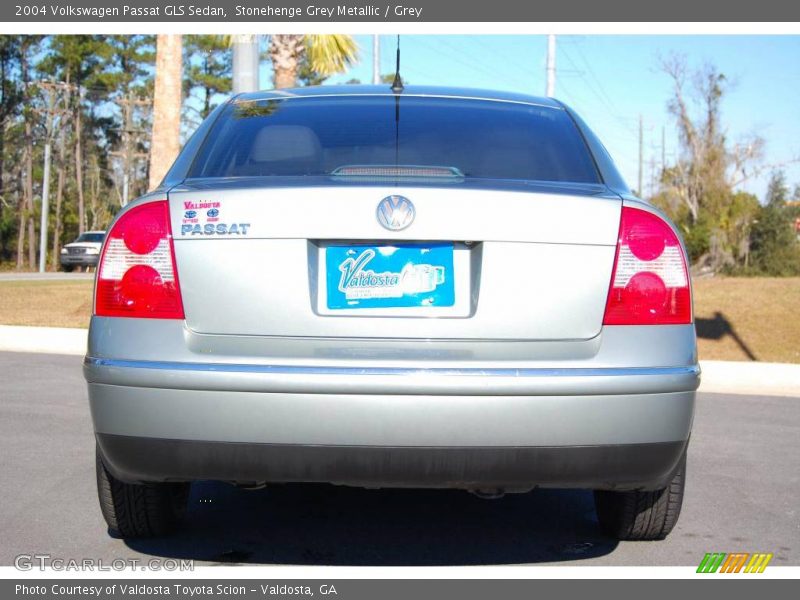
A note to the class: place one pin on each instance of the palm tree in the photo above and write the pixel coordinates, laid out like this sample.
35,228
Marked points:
165,140
326,54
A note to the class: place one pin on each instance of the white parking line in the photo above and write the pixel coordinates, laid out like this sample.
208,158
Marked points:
45,340
752,378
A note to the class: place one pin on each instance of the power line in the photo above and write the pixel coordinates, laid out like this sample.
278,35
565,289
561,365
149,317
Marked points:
507,60
594,76
409,67
597,89
473,62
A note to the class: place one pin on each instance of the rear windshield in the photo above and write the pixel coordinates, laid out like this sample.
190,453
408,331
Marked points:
350,134
91,237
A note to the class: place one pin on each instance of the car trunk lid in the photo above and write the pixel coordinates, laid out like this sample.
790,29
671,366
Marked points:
528,261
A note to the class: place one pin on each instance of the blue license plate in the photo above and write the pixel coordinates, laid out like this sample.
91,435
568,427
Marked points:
389,276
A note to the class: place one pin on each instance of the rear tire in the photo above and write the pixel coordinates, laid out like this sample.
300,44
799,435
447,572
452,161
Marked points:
642,515
139,510
67,268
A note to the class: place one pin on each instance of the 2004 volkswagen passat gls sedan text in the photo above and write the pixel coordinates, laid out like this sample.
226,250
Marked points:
419,288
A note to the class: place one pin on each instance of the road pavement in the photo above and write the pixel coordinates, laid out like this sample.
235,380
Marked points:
742,495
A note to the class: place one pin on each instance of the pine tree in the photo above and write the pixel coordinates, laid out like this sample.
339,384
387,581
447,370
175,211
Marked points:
208,73
775,249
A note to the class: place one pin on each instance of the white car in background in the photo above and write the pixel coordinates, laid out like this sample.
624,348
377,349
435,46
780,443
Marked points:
84,251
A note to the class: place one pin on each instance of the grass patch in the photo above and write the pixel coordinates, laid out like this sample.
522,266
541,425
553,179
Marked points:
46,303
754,318
737,318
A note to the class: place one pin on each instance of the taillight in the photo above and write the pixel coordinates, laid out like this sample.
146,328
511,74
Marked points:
136,276
650,282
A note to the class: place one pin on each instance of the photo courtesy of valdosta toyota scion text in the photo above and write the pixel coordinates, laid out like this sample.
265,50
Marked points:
407,294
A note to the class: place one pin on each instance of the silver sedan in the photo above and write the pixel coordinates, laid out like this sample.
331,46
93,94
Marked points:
425,287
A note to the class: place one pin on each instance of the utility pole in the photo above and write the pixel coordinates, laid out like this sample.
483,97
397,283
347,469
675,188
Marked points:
376,59
639,191
131,138
51,106
126,144
663,149
652,183
245,63
45,208
52,90
551,66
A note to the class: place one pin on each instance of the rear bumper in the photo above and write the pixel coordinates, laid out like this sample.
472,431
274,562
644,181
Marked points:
83,260
302,379
612,412
602,428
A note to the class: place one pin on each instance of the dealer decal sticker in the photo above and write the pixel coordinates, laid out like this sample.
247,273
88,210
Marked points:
203,218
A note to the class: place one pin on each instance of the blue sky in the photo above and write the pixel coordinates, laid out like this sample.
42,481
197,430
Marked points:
612,79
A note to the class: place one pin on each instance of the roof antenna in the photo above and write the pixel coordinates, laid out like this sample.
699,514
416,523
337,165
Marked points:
397,84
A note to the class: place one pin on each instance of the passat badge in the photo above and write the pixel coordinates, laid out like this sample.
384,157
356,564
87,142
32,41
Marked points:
395,212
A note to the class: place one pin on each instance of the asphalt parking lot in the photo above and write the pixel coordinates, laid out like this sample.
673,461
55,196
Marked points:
742,495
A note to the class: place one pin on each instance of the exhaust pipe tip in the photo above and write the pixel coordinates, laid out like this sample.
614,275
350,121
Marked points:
251,485
488,493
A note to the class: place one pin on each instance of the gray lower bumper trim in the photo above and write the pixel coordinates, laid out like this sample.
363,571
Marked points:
621,467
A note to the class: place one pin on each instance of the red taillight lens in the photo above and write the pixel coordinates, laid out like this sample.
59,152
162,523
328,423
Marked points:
650,282
136,276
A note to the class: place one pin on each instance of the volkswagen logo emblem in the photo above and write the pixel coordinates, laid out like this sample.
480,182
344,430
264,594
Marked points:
395,212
